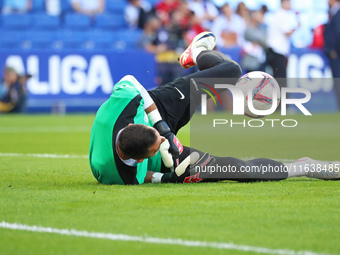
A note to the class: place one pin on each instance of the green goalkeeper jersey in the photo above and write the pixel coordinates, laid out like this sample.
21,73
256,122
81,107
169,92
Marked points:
124,106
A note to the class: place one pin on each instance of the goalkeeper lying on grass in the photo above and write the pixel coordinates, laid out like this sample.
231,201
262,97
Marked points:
133,136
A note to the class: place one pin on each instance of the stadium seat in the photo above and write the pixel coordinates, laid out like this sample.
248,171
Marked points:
44,21
77,21
38,6
127,39
9,40
153,2
110,21
17,21
39,39
97,39
69,39
114,7
65,6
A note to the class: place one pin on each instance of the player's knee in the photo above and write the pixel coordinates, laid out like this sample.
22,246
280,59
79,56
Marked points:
235,69
230,69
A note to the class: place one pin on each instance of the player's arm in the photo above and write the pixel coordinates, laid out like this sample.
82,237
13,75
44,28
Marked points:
148,177
178,176
184,172
156,177
173,146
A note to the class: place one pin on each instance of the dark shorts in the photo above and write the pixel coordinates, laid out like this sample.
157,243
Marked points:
177,100
173,103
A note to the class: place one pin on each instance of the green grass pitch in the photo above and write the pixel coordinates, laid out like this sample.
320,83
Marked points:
298,214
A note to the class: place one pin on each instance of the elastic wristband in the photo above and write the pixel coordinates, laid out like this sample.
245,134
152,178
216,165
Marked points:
154,117
162,128
166,178
157,178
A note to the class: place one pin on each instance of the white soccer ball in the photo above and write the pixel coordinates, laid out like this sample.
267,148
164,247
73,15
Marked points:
262,87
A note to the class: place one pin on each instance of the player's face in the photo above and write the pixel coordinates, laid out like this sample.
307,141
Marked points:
155,147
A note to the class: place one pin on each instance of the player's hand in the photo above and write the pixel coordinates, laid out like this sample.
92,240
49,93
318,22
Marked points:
165,154
175,146
175,149
182,171
186,172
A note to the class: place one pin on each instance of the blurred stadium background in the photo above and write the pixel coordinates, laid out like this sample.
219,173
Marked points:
75,59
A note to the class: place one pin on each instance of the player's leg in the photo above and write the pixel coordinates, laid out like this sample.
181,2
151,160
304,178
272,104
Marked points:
233,169
270,170
173,99
307,167
261,169
229,168
177,100
214,169
212,65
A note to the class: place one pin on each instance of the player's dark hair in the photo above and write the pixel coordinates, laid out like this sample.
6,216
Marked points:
135,140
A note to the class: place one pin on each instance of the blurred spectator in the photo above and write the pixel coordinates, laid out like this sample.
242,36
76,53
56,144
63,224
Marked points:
16,6
53,7
12,91
318,40
205,11
303,36
332,43
88,7
280,29
148,40
254,48
164,9
165,42
194,27
136,13
243,11
229,28
264,9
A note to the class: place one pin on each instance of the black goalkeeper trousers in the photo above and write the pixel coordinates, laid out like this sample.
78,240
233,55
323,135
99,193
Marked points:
233,169
177,101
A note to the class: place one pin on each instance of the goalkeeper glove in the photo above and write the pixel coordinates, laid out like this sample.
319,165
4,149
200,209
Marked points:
186,171
175,146
165,154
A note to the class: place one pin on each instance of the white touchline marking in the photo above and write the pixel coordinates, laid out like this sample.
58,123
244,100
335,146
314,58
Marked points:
35,155
155,240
